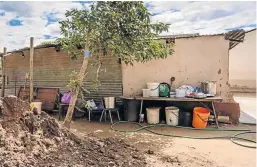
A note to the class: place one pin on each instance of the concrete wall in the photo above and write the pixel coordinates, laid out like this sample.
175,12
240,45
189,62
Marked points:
195,59
242,63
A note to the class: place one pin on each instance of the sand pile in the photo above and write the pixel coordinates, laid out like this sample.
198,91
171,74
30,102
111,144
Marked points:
31,139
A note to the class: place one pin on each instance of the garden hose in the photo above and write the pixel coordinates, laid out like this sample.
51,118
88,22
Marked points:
147,128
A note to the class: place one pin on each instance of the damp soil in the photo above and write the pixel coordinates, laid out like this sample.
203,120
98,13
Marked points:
29,138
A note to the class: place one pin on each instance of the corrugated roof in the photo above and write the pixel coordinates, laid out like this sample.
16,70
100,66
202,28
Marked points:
27,48
179,36
234,36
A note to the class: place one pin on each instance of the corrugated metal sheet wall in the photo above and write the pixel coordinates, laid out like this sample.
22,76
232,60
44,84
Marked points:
52,69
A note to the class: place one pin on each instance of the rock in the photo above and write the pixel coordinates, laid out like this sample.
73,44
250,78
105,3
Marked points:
150,151
111,164
135,156
101,150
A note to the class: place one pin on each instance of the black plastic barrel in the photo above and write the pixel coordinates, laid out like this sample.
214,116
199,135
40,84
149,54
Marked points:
185,119
131,110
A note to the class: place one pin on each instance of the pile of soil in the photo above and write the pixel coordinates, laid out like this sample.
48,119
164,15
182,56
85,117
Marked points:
28,138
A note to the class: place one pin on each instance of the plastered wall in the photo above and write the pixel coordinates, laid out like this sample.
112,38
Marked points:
195,60
242,62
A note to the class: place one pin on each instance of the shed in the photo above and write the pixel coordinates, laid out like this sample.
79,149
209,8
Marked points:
52,69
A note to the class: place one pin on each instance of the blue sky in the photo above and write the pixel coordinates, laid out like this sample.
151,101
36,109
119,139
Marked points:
20,20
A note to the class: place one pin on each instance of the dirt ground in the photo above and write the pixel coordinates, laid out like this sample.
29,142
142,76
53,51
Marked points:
173,152
30,138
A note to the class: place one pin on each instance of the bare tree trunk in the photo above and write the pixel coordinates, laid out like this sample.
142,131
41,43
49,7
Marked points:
75,93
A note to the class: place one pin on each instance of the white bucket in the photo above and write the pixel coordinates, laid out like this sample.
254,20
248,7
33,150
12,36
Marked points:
146,92
172,114
109,102
38,106
154,92
153,116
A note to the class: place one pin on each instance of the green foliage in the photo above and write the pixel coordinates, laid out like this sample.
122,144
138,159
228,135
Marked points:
74,81
121,29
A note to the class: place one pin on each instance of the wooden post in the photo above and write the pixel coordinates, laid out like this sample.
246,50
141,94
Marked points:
31,55
3,73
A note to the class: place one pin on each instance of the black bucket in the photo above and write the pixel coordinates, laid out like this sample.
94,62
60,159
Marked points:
185,119
131,110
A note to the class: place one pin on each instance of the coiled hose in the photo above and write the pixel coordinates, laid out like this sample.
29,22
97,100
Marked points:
231,137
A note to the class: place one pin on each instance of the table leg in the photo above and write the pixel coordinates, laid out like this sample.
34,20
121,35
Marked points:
89,114
215,115
110,114
141,108
60,112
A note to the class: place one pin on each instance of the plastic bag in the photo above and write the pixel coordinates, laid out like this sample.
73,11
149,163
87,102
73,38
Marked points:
66,98
91,104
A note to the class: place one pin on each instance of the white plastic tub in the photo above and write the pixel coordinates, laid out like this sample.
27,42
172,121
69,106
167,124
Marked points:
153,116
38,106
172,115
154,89
146,92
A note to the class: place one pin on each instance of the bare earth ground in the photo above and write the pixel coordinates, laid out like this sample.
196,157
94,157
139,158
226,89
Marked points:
173,152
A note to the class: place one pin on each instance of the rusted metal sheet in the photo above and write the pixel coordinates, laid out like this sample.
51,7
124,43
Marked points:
48,96
228,109
52,69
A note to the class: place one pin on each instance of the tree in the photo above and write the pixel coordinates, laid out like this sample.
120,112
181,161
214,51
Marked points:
121,29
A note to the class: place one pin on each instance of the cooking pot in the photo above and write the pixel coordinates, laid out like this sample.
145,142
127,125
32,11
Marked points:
209,87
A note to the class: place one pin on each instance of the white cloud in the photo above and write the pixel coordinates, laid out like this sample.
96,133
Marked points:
203,17
34,20
189,17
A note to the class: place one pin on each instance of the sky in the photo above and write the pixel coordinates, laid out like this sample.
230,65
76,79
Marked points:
21,20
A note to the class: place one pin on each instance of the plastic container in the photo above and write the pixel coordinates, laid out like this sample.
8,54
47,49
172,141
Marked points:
172,115
38,106
180,92
154,89
153,115
200,117
131,110
212,87
185,118
109,102
146,92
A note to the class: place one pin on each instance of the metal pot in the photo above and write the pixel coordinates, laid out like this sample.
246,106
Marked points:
212,87
204,87
209,87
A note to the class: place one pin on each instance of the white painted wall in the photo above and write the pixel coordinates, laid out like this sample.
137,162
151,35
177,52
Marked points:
242,62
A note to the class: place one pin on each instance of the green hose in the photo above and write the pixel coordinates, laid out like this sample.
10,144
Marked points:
147,128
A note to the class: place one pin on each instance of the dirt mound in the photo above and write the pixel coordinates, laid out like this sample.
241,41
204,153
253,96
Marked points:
31,139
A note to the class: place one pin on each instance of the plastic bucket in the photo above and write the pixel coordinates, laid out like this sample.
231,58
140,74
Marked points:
109,102
154,89
172,115
200,117
146,92
153,115
38,106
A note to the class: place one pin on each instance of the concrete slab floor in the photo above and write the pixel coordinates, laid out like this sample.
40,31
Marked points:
247,102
